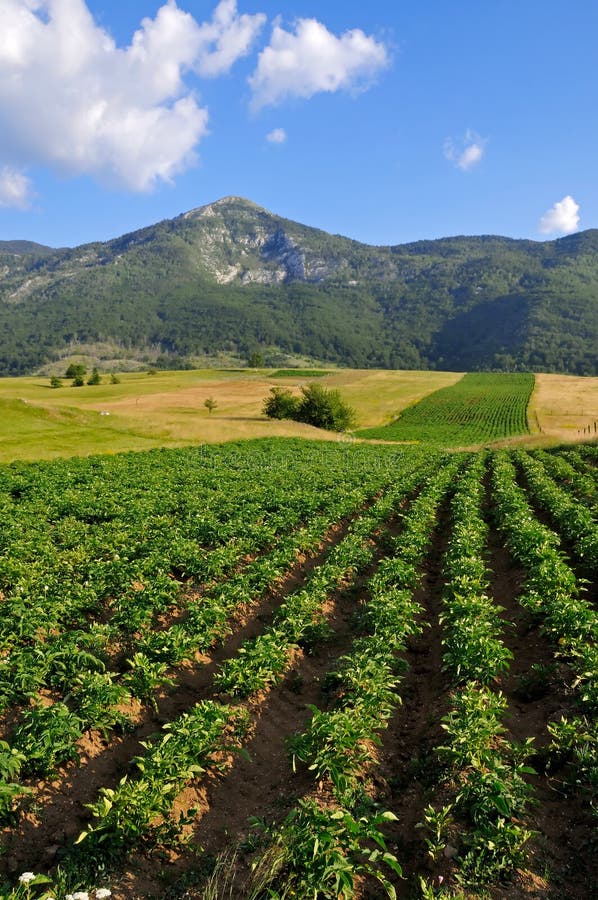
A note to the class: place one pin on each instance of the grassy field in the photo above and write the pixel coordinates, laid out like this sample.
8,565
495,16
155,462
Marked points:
166,409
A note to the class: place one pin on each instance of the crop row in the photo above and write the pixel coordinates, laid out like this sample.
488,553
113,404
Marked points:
573,520
479,407
483,771
325,843
551,589
123,816
576,478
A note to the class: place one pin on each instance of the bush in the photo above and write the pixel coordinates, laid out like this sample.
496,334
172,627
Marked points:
281,404
317,406
325,409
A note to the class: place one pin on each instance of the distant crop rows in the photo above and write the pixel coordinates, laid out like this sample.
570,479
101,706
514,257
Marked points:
156,607
481,407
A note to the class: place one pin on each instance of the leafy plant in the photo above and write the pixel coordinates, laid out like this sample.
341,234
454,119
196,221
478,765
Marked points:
46,736
320,853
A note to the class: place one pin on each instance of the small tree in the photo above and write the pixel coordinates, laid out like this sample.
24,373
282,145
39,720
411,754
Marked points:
114,379
55,381
210,404
76,370
95,377
255,360
281,404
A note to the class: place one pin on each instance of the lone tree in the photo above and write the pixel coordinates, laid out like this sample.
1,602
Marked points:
95,377
255,360
317,406
210,404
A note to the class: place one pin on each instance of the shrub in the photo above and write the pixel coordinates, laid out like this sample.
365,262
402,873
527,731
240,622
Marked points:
317,406
325,408
281,404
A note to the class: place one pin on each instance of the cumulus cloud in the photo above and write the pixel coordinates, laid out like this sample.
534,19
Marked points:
562,218
226,38
73,100
467,152
311,59
15,188
277,136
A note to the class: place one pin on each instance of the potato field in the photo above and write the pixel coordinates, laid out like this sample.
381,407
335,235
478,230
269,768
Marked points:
479,408
292,669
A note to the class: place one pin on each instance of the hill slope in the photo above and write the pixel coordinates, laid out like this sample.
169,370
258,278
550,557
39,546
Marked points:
234,278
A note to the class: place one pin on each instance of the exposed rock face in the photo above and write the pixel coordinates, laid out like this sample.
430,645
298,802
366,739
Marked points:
240,241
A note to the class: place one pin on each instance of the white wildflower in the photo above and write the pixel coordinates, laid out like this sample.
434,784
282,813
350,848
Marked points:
102,893
26,877
80,895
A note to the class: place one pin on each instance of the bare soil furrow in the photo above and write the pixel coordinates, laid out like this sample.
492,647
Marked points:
407,760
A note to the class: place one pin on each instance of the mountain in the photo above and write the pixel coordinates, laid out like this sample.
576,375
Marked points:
232,278
24,248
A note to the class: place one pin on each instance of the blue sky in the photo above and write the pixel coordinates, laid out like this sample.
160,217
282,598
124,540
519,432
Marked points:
387,121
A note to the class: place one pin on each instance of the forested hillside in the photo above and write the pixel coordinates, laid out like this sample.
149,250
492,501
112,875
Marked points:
233,278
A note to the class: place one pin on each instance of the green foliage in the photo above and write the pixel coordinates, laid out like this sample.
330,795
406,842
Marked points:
95,377
12,761
255,360
46,735
317,406
76,370
461,304
281,404
186,749
210,404
324,408
320,853
55,382
478,408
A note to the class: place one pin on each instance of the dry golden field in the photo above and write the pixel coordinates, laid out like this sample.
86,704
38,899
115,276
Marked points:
167,409
563,406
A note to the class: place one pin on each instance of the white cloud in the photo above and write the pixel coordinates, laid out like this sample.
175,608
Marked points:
226,38
467,152
15,188
277,136
562,218
73,100
312,59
